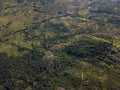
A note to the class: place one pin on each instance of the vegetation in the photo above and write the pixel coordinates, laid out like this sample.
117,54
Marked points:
59,45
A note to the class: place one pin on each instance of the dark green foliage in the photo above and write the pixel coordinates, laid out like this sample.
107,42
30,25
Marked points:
58,27
86,47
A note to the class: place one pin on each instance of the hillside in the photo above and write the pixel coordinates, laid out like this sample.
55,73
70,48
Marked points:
59,45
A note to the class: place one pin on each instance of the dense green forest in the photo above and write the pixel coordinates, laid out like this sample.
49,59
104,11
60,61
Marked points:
59,45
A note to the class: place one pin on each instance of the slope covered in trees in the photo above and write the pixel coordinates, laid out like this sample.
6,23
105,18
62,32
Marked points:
59,44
